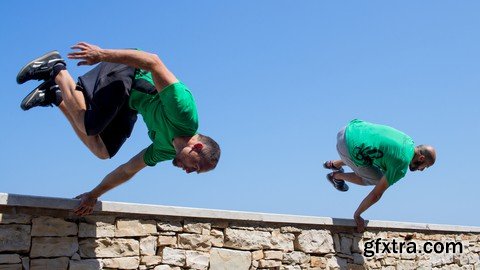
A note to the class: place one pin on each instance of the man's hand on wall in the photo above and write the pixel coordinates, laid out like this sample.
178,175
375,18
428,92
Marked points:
87,202
360,223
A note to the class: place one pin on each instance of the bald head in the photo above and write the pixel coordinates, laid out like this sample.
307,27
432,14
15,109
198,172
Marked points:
424,157
429,152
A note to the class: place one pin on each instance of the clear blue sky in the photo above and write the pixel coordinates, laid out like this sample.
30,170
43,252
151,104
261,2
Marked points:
274,81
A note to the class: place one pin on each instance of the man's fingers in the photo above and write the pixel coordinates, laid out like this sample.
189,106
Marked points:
83,63
75,55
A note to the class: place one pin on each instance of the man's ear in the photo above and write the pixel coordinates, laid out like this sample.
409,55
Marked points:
198,147
421,158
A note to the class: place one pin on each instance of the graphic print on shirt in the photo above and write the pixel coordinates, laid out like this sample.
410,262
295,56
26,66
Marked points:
366,154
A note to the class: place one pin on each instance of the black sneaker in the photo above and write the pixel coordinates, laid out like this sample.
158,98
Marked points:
338,184
40,68
46,94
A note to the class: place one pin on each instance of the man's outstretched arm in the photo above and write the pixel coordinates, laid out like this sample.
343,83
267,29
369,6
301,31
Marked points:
118,176
371,198
92,54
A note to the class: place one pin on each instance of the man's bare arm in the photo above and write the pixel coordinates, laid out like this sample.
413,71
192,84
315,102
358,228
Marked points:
371,198
117,177
92,54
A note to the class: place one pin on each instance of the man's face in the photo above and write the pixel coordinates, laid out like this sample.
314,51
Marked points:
188,160
418,165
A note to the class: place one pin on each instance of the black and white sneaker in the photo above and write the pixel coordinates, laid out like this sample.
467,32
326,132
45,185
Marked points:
338,184
46,94
40,68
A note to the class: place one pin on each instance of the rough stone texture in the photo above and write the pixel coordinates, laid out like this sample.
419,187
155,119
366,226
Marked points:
167,267
108,248
247,240
197,260
170,226
90,264
273,255
226,259
48,226
167,241
151,260
98,230
15,219
217,238
315,241
296,257
195,227
10,259
122,263
135,228
53,247
194,241
173,256
11,267
15,238
148,245
47,264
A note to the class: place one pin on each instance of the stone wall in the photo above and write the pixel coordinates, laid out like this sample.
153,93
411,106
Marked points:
43,233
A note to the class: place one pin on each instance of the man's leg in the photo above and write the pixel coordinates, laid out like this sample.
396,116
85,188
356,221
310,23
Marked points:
94,143
349,177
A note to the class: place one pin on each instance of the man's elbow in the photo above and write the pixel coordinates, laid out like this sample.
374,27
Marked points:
153,62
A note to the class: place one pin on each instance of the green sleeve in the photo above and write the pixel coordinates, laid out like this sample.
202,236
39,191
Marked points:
395,173
153,156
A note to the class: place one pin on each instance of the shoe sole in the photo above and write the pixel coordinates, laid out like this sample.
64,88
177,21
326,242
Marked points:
47,55
29,97
331,182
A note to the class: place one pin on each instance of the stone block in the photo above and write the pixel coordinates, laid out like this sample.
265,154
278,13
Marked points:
10,259
129,228
273,255
167,267
173,256
315,242
173,226
49,264
217,238
122,263
90,264
15,218
196,227
227,259
53,247
269,263
49,226
15,238
296,257
194,242
11,267
167,241
148,245
247,240
97,230
151,260
197,260
282,241
257,255
346,245
108,248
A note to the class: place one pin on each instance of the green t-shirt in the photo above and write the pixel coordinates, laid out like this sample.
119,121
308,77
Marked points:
168,114
381,146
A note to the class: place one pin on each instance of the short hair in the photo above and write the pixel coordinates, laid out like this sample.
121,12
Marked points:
210,153
426,150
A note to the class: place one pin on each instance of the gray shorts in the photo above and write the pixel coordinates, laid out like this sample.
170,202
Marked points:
370,175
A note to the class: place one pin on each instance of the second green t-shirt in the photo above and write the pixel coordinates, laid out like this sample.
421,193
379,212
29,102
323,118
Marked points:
382,146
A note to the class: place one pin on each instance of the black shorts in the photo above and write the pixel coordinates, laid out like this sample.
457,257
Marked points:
106,89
